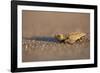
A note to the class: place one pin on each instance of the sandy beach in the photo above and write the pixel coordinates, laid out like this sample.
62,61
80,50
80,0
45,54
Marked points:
39,28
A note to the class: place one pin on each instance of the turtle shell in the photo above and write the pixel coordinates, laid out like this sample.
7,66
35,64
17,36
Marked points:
74,36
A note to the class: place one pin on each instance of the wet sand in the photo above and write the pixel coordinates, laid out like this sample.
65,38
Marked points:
38,33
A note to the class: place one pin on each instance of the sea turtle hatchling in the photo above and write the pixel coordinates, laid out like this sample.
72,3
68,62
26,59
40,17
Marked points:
70,37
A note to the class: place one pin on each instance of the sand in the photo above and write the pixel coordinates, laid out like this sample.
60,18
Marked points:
39,28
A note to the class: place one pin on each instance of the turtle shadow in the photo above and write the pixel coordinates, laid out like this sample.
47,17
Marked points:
42,38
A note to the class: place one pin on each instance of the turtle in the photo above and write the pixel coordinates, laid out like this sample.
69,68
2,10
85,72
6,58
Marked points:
71,37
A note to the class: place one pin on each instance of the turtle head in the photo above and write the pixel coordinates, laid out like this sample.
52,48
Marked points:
60,37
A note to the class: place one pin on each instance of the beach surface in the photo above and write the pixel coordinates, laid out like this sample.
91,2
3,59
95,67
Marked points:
39,28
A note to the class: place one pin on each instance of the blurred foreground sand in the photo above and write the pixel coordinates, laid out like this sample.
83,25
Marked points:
46,50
